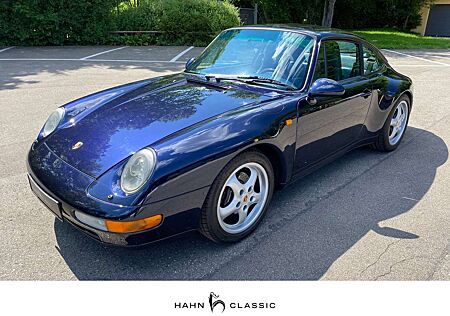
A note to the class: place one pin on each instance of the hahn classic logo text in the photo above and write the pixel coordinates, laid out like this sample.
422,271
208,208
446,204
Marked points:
218,305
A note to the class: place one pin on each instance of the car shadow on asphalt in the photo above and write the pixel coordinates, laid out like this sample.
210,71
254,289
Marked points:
15,75
301,236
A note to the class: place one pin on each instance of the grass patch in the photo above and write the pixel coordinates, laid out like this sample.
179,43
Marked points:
383,38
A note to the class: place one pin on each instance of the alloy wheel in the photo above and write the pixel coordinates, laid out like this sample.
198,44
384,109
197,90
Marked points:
243,198
398,123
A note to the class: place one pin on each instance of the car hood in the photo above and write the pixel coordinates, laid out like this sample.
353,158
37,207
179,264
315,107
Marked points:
129,118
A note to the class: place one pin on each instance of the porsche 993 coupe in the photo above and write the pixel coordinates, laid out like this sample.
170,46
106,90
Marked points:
205,149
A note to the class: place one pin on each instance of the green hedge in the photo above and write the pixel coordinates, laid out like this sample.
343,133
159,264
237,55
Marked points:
68,22
55,22
399,14
193,22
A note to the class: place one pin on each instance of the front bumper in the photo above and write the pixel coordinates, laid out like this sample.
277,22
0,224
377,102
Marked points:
171,225
53,179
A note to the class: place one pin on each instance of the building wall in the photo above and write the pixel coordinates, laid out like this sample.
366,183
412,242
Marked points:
424,12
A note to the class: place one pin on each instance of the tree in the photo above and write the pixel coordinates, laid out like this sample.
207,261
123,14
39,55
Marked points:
328,11
414,8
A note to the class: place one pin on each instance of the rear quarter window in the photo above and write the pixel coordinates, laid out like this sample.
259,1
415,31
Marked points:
371,61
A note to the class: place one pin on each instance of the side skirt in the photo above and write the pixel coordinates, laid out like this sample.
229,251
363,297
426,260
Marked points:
328,159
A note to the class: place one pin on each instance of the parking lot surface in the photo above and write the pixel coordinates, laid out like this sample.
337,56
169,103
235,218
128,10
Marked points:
366,216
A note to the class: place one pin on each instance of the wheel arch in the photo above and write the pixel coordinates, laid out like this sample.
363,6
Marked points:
277,159
410,96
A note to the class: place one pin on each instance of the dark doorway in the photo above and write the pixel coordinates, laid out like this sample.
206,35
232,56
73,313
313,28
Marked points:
439,21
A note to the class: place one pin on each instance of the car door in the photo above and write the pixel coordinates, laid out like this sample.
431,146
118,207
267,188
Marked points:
333,123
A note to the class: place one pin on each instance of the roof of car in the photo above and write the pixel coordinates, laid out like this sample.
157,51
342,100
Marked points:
313,30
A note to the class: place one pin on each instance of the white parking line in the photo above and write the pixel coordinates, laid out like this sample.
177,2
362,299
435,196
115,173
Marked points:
413,65
157,61
411,199
91,60
181,54
101,53
5,49
416,57
136,61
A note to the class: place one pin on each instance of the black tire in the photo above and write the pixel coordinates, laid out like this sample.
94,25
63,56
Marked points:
209,224
382,142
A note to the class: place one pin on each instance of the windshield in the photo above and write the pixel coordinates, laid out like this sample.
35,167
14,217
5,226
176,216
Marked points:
281,56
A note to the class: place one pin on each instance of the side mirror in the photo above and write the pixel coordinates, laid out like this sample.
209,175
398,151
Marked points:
189,63
324,87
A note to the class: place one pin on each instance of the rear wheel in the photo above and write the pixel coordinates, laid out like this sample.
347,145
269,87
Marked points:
395,126
238,198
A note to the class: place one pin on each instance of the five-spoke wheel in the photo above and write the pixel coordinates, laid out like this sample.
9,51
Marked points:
398,122
238,198
394,128
242,197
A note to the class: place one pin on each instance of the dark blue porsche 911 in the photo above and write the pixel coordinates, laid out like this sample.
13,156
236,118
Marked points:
206,148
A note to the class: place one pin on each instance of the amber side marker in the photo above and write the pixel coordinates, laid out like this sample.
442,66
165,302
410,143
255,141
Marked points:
133,226
288,122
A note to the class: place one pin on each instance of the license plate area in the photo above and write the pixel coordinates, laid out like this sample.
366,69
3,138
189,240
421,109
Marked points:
53,205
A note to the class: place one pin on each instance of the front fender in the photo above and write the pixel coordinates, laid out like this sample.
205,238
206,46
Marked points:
192,159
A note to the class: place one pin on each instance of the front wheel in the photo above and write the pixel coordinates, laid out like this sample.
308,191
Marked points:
395,126
238,198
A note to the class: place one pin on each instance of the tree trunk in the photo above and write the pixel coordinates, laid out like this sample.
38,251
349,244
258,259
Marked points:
328,11
405,24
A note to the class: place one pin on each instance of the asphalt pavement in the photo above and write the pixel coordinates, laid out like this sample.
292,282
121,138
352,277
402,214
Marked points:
366,216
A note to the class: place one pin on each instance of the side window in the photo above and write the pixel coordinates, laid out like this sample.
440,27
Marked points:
349,59
371,61
338,60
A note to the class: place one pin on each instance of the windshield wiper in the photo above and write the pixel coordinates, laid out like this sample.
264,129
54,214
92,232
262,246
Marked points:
257,79
250,79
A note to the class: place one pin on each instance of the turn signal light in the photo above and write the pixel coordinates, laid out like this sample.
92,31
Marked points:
133,226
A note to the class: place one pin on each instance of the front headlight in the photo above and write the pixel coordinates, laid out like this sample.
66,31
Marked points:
53,121
138,170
